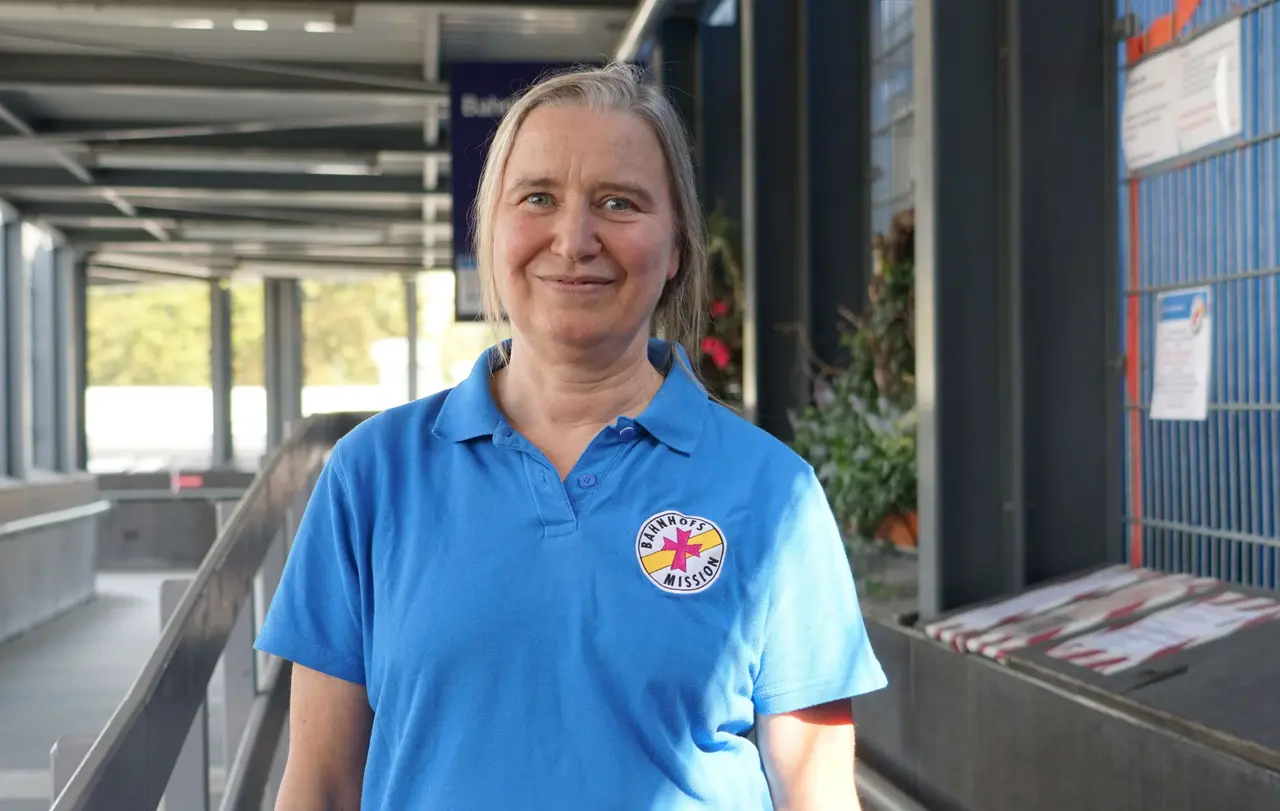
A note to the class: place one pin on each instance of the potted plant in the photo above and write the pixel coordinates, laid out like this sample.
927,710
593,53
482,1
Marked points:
860,431
720,355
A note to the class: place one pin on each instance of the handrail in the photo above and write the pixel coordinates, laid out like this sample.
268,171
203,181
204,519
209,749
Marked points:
46,520
129,765
202,494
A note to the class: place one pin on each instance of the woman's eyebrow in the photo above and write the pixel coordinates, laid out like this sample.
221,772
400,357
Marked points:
631,189
532,184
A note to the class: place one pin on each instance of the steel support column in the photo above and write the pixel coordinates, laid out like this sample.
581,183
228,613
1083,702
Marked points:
283,362
775,258
835,93
66,424
15,399
74,273
1014,295
45,350
718,130
675,66
221,376
966,553
1067,217
411,338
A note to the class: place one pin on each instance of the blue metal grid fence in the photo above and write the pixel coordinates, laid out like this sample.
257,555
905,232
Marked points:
1203,496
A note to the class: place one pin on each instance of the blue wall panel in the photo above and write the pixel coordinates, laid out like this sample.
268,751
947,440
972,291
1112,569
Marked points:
1208,492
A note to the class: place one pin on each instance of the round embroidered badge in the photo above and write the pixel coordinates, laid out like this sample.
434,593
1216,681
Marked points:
680,554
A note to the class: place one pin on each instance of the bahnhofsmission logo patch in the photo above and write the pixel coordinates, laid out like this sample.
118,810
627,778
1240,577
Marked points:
680,554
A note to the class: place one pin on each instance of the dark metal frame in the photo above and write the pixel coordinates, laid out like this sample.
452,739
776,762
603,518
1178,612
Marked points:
1015,353
14,354
221,358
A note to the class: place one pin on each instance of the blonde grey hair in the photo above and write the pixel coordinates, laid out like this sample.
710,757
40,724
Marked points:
680,313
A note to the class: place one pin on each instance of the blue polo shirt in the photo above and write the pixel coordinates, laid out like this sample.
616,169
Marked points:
602,642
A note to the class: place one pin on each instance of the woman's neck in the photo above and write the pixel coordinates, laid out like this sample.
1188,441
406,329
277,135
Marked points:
540,391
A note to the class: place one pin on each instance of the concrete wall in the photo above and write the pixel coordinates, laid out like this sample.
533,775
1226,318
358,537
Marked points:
156,535
963,733
48,549
153,527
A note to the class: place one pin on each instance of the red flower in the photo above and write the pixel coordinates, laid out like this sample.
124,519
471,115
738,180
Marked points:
719,308
717,350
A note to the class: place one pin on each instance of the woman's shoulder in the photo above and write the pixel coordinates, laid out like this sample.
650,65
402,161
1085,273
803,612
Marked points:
391,433
754,459
729,434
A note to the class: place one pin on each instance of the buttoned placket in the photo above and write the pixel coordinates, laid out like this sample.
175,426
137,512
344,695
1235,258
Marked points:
561,504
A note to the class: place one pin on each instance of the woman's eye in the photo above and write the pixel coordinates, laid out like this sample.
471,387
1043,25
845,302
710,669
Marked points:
617,204
538,199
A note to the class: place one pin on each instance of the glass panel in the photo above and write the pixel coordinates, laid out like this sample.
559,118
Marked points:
354,345
248,395
447,348
149,403
41,352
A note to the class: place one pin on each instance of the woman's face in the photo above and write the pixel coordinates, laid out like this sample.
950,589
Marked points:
584,233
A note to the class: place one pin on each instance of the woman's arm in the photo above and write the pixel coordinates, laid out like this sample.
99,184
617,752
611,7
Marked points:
329,727
808,758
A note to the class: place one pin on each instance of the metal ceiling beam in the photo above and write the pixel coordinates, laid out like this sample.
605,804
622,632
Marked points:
67,212
319,270
104,45
127,240
185,158
137,75
374,202
400,136
154,264
26,132
80,173
126,180
153,132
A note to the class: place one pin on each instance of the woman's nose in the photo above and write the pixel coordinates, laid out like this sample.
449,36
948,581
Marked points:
576,236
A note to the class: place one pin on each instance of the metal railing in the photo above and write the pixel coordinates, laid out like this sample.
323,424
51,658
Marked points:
159,731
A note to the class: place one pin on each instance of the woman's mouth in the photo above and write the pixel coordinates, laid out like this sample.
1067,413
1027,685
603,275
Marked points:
577,284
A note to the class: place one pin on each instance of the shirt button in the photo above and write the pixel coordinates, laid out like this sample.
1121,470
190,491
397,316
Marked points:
627,432
587,480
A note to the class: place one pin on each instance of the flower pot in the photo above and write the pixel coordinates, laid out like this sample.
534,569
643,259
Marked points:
900,530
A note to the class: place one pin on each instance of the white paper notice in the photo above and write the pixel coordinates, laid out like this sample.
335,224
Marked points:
1184,344
1149,127
1209,100
1184,99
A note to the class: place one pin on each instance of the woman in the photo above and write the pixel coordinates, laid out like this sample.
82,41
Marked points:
573,581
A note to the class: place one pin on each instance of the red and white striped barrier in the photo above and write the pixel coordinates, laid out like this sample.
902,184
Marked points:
1084,614
1113,650
956,630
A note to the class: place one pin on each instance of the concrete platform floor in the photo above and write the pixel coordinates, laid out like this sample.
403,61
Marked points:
68,676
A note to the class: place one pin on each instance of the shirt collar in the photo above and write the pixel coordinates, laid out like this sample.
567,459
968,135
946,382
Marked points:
674,417
677,411
468,411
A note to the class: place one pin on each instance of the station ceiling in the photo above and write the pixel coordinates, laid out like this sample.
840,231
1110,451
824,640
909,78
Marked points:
284,138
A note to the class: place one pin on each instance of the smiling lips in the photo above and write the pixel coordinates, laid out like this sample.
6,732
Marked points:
578,282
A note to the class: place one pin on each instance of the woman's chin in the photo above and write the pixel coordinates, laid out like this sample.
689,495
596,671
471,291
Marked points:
583,333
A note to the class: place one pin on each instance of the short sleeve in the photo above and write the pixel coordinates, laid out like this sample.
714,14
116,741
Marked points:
815,646
315,618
